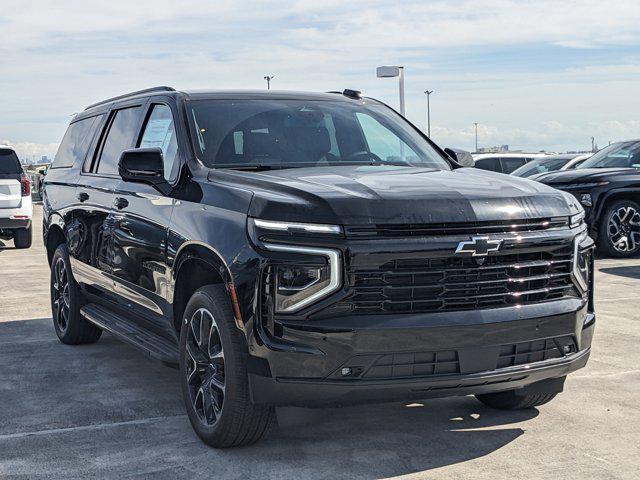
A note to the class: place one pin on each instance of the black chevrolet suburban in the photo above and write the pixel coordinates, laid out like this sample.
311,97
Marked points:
310,249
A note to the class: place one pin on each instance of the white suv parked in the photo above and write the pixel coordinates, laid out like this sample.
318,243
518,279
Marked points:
16,208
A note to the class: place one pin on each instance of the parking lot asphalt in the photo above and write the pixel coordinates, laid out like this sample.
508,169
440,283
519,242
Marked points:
108,411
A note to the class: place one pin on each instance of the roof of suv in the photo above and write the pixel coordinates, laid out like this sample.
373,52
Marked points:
7,147
230,94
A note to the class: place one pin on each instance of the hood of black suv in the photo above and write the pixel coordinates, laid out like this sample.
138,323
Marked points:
357,195
586,175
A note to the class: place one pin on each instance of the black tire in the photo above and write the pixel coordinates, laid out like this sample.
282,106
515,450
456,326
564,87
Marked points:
22,237
66,301
213,374
510,401
625,244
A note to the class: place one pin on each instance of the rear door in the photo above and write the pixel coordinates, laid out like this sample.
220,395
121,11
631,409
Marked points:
90,246
10,173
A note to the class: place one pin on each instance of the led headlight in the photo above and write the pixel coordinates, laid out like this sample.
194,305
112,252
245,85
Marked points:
300,285
582,263
577,219
292,227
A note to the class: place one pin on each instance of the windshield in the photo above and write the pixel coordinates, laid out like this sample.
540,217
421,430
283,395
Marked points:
616,155
540,166
9,163
296,133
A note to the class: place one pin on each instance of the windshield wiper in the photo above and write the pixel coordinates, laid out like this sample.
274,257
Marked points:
252,167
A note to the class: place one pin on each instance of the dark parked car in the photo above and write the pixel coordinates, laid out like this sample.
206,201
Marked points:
310,249
608,186
546,164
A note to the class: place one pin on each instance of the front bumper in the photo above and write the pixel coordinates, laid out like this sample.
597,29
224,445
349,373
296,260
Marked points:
322,393
305,366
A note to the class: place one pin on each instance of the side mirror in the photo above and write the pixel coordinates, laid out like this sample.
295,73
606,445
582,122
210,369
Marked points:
144,165
451,153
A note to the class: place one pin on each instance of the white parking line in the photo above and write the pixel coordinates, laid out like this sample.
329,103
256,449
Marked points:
99,426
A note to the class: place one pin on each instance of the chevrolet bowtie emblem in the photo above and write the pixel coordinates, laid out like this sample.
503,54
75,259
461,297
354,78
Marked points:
479,246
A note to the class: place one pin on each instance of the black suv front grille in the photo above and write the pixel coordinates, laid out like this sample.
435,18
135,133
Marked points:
447,362
460,283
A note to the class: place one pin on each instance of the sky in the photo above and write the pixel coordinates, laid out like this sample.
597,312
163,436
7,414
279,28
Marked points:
536,75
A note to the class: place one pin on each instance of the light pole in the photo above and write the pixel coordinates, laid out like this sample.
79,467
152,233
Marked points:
268,79
428,93
476,124
394,71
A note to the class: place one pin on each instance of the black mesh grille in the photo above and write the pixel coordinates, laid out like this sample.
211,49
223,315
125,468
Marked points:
447,362
459,283
415,365
535,351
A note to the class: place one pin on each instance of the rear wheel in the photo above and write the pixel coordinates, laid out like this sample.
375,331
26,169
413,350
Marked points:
22,237
66,301
619,232
511,401
213,367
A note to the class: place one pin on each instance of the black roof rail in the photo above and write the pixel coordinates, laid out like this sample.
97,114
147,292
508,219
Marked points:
126,95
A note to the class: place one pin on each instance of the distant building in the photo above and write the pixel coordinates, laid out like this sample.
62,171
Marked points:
497,149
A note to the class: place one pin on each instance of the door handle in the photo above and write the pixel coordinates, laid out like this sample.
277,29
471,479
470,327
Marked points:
83,196
121,203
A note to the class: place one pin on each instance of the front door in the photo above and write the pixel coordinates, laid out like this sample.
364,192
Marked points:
140,220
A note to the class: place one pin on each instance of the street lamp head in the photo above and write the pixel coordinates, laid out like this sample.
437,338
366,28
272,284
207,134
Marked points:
388,71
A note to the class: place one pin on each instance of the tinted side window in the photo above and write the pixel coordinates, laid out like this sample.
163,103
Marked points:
9,163
122,131
160,132
510,164
492,164
74,143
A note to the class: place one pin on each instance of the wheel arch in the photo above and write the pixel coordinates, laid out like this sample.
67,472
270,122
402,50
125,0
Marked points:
195,266
54,235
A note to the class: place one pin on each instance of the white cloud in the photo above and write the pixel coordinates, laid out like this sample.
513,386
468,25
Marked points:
66,54
31,150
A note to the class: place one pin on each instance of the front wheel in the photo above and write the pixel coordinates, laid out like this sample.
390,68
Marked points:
509,400
619,232
213,372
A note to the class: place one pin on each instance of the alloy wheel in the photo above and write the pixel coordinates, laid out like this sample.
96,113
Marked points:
624,229
61,298
205,367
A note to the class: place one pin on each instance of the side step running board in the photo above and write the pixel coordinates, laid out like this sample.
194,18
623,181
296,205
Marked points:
154,345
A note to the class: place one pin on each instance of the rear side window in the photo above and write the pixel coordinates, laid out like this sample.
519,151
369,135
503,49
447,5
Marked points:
9,163
492,164
160,132
75,143
510,164
122,131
